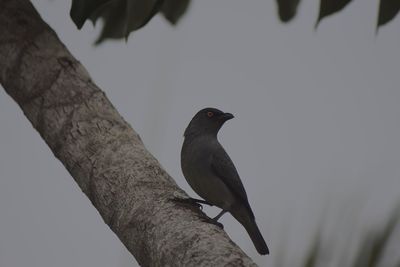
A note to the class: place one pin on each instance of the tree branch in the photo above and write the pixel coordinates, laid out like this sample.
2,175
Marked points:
104,155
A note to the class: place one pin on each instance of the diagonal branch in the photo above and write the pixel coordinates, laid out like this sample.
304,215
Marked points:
104,155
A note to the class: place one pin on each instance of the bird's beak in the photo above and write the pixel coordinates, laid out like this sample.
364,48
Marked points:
226,116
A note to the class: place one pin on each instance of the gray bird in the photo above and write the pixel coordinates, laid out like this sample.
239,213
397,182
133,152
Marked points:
211,173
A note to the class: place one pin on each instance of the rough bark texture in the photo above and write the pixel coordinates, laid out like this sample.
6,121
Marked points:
102,152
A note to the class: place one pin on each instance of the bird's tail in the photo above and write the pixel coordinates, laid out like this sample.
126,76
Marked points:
257,238
248,221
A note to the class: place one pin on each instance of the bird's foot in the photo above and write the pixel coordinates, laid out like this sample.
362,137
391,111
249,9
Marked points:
196,203
200,201
192,201
212,221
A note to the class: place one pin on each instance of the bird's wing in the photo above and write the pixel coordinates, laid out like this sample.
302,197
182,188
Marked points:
223,167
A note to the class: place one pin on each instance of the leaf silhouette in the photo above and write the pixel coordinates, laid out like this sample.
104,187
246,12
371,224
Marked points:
329,7
174,9
388,9
121,17
82,10
287,9
124,16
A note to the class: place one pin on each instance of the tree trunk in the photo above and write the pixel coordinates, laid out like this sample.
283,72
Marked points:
104,155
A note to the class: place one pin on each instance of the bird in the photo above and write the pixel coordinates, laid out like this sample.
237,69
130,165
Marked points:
212,175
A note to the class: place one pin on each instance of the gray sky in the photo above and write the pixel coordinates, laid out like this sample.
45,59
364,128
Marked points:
315,138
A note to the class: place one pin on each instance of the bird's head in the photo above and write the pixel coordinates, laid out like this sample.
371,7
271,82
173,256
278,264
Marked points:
207,121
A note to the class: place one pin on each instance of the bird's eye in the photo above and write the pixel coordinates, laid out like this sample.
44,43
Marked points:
210,114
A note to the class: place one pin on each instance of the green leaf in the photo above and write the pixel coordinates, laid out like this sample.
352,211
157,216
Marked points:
287,9
388,9
174,9
329,7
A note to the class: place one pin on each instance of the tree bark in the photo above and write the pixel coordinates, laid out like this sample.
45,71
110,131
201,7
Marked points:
104,155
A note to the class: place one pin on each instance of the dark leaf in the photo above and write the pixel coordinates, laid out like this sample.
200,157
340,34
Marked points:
287,9
388,9
120,17
82,10
329,7
174,9
124,16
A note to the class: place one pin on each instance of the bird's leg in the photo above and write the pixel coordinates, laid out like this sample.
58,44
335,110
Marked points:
216,218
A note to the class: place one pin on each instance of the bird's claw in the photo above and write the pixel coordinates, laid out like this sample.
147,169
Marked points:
188,201
192,201
212,221
196,203
200,201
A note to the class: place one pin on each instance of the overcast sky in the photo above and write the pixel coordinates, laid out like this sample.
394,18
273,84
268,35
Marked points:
315,136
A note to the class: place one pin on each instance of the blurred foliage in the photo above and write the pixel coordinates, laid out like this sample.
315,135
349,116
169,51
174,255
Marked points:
121,17
375,242
371,250
314,252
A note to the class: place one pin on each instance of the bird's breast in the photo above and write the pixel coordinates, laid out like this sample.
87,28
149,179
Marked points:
196,167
